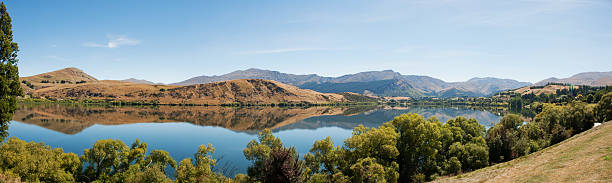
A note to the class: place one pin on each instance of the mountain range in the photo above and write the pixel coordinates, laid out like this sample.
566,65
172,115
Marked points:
372,83
378,83
585,78
73,83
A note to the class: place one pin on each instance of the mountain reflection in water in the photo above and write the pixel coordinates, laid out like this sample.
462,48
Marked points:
74,118
181,129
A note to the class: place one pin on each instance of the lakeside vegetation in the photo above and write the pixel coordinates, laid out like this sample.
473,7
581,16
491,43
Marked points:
409,148
586,157
530,104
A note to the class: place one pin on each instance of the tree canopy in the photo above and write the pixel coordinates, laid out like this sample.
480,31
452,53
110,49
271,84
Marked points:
9,73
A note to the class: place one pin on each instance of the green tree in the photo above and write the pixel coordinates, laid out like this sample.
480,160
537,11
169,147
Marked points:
578,117
561,122
407,149
516,104
326,162
532,138
160,159
258,151
202,170
418,144
369,170
112,161
104,159
271,161
372,148
331,158
467,145
604,108
36,162
283,165
469,129
502,138
9,73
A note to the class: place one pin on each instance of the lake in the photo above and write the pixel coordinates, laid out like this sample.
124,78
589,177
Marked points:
181,129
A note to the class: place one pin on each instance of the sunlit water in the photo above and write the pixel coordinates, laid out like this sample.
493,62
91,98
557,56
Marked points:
180,130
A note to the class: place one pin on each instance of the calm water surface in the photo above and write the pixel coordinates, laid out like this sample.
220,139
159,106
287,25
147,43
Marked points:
180,130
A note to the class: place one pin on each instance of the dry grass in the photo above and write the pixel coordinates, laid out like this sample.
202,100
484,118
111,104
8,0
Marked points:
549,89
252,91
586,157
69,75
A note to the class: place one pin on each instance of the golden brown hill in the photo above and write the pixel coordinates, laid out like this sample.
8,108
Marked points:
537,90
253,91
60,77
586,157
249,91
72,83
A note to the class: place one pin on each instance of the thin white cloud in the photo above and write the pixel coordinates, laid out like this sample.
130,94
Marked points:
282,50
114,42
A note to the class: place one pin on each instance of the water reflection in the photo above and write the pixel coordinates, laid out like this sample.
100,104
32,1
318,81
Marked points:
377,116
72,119
180,130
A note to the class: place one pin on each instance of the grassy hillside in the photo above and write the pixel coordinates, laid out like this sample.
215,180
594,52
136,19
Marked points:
355,97
586,157
249,91
67,76
74,84
547,89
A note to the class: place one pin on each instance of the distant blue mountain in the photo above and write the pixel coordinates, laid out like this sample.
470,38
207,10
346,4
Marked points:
379,83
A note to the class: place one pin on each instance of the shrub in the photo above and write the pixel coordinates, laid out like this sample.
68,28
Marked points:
36,162
271,161
283,165
202,170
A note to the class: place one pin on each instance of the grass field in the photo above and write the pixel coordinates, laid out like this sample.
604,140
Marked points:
586,157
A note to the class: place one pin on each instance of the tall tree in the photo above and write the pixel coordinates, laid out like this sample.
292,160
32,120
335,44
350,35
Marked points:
9,74
604,108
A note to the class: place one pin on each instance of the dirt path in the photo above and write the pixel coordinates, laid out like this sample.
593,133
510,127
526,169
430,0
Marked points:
586,157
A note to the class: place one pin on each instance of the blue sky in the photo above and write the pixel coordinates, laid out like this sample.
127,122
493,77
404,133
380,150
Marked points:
454,40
